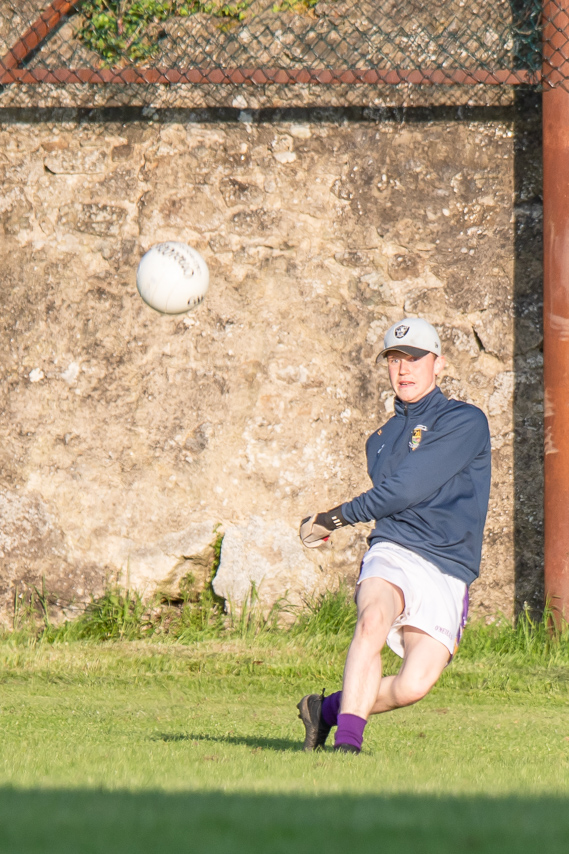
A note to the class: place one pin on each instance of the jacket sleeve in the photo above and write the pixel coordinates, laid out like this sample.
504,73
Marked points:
443,453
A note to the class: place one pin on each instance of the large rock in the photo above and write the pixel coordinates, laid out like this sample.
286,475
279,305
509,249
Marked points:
35,555
186,556
264,561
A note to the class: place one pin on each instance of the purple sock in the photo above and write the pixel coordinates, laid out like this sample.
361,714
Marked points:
350,730
331,707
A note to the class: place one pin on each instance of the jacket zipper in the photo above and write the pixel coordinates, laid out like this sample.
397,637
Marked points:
403,435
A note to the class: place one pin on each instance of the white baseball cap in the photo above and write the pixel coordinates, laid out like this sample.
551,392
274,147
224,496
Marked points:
413,336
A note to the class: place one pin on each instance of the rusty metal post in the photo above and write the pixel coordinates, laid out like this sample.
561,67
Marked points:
556,302
34,35
11,73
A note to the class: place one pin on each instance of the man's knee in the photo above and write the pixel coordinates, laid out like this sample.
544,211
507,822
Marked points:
410,690
372,625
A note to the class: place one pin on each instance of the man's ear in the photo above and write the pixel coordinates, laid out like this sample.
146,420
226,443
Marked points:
440,364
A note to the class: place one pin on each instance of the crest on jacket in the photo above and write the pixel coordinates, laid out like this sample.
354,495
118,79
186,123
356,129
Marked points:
416,436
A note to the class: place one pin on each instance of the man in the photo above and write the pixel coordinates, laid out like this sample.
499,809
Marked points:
430,469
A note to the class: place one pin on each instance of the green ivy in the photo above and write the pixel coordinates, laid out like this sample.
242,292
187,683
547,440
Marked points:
294,5
128,29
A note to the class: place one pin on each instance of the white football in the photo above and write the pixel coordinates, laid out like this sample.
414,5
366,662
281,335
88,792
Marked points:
172,277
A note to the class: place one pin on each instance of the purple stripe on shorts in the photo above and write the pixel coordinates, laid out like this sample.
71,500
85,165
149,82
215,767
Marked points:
464,617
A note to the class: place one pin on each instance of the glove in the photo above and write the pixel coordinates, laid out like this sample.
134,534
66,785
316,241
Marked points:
316,530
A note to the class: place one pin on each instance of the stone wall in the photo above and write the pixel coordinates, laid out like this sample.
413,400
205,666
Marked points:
131,438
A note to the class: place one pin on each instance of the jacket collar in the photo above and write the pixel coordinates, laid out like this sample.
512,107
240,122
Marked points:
421,406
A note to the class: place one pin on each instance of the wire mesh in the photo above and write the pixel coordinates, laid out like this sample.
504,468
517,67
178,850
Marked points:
254,53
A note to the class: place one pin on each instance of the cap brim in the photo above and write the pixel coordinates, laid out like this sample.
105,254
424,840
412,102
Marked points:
409,351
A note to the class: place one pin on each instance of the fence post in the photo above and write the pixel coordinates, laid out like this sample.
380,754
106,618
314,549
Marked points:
36,33
556,302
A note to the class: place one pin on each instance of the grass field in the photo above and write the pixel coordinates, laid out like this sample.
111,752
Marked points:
148,746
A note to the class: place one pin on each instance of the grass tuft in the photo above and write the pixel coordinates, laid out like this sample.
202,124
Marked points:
526,640
332,614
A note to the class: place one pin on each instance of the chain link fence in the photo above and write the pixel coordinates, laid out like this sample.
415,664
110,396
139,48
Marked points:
256,53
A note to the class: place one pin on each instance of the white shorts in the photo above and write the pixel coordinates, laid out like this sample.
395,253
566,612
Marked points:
435,602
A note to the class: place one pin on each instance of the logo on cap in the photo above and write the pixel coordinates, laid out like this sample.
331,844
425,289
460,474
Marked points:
401,331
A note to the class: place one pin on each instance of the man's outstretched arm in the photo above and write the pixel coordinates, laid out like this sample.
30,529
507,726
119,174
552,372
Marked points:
443,453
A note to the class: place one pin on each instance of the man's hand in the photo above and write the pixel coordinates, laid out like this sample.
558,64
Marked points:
316,530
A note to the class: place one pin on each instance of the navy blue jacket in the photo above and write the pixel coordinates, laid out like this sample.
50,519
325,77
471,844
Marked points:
430,469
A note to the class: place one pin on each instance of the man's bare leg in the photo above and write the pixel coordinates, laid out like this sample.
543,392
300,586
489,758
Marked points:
424,660
379,604
364,690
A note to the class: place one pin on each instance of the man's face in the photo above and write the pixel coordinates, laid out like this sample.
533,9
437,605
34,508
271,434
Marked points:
411,377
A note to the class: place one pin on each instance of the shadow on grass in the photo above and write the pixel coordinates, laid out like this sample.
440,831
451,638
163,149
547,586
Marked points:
89,822
283,744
